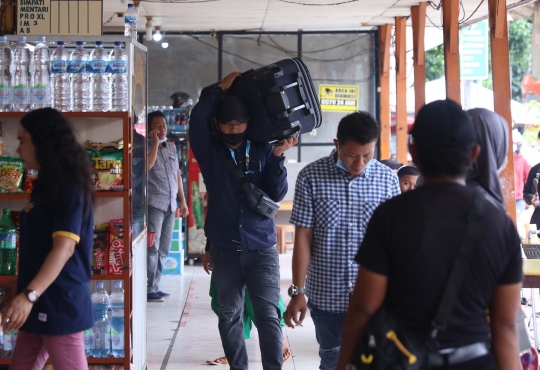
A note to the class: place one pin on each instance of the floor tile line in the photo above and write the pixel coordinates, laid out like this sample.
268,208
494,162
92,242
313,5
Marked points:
171,344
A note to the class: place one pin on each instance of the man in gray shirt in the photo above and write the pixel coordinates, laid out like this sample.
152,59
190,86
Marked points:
164,185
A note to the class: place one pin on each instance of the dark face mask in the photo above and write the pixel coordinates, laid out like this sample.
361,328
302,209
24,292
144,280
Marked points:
233,139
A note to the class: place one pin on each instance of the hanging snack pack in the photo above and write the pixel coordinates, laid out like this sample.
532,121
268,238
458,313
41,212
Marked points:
106,160
100,250
29,177
11,175
116,248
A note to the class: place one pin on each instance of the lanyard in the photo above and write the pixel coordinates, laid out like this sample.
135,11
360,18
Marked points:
248,148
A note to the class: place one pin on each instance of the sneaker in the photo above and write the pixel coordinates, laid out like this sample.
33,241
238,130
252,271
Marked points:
163,294
153,297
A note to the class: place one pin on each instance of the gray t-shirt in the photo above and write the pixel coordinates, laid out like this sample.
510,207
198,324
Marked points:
163,177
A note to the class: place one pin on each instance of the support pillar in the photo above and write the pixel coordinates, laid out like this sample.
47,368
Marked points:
502,93
419,55
385,33
401,90
451,49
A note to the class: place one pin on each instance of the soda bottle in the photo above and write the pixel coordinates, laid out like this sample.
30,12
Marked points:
117,322
8,245
6,59
102,325
21,76
41,97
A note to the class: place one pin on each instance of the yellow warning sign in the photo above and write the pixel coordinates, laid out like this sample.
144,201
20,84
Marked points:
338,98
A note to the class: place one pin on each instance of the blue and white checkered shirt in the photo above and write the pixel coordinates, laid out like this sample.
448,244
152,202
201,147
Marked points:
338,209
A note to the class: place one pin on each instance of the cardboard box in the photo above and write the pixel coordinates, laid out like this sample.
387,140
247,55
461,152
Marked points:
173,264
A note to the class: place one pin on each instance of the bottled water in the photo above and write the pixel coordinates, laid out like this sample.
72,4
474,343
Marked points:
6,59
21,77
119,80
41,97
101,83
10,337
117,322
102,325
89,344
80,79
60,83
131,17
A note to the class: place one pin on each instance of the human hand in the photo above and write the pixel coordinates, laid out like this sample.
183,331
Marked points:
154,135
16,312
228,80
296,311
207,263
182,211
285,145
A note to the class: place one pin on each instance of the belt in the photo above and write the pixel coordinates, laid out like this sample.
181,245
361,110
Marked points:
459,355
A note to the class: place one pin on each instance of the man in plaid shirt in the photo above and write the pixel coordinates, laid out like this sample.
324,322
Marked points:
334,199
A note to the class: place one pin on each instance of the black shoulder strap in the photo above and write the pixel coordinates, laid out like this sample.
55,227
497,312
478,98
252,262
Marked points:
237,172
461,265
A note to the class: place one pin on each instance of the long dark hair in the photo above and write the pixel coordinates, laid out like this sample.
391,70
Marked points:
63,161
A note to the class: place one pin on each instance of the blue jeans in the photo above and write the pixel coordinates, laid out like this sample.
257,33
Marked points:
328,327
258,270
162,223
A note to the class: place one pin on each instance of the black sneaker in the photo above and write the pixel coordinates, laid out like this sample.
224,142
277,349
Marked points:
163,294
153,297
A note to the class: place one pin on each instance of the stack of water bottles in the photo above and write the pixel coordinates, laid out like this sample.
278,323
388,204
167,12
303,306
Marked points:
77,81
106,338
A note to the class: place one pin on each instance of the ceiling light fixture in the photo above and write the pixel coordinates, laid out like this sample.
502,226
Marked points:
164,45
149,27
157,35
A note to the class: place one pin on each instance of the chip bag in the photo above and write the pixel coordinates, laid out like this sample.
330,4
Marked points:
11,175
29,177
107,165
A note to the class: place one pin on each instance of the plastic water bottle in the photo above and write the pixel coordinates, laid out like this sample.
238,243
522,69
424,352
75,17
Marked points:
102,325
131,17
10,337
60,83
6,59
119,80
101,83
21,76
80,79
8,245
89,344
41,94
117,322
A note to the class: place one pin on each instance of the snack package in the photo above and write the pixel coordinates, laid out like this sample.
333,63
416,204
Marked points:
100,249
97,147
11,175
29,177
107,165
116,247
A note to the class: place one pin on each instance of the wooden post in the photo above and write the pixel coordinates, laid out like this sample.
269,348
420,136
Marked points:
451,49
401,90
419,55
384,89
502,95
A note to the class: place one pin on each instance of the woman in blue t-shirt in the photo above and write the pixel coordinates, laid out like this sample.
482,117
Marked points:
53,306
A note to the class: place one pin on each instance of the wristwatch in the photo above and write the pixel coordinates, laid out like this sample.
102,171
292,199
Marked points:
295,290
31,295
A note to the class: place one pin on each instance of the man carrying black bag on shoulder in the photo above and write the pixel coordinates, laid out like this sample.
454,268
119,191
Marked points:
440,264
240,228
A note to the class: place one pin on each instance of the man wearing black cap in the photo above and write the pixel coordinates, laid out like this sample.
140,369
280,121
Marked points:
411,245
242,243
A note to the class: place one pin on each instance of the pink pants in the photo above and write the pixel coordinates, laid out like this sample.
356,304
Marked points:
32,350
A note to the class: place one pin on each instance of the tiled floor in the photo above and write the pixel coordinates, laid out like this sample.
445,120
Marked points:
183,333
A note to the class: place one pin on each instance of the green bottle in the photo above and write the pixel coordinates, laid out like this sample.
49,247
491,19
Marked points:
197,205
8,245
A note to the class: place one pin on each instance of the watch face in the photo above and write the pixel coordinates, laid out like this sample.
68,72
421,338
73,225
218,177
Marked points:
32,296
292,291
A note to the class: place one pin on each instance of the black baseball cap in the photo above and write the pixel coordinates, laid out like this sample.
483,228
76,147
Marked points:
232,108
443,125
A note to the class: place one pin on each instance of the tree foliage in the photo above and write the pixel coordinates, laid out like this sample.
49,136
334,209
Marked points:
435,63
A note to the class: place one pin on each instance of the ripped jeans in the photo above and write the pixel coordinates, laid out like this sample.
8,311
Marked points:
328,327
258,270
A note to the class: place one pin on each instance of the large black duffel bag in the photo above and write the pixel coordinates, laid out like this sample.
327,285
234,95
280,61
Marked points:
281,98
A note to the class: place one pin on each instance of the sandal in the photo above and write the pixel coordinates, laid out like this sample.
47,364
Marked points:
218,361
286,350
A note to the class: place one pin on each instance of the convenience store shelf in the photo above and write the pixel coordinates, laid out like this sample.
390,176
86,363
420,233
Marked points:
4,115
8,278
107,277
